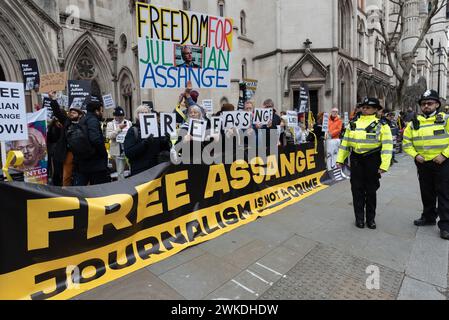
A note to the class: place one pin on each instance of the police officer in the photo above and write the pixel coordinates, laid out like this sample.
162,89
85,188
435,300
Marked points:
426,139
369,142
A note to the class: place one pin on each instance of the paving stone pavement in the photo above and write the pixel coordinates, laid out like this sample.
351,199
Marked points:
308,251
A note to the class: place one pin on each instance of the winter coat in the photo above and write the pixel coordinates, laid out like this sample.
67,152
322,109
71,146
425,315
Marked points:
143,154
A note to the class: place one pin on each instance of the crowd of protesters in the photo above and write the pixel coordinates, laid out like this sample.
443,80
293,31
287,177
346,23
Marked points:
83,149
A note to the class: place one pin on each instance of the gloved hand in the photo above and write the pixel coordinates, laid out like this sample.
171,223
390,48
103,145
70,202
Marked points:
149,140
168,136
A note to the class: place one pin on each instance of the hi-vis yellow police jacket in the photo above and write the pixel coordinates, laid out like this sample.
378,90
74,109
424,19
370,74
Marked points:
368,134
430,139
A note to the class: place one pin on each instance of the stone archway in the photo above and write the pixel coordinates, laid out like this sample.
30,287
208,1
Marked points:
361,91
372,92
21,39
381,96
345,87
126,91
86,60
2,74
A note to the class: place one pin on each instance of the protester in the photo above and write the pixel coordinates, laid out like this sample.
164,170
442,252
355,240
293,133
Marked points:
368,141
333,142
269,104
287,137
426,140
356,113
272,127
409,115
188,98
143,153
253,131
87,143
62,151
116,132
55,133
318,127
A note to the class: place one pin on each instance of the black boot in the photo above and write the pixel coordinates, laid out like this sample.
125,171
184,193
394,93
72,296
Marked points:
422,222
360,224
372,225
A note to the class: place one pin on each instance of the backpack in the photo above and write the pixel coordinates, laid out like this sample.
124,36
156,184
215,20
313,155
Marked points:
78,140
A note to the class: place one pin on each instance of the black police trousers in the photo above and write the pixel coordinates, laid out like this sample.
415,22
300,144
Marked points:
434,184
365,181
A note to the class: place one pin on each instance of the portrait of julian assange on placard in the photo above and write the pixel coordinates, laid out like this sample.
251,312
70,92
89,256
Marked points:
34,150
188,56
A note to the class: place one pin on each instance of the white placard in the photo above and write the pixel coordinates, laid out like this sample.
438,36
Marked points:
216,125
326,122
108,102
13,118
236,119
121,137
346,122
292,117
148,125
168,124
263,116
208,105
197,129
63,101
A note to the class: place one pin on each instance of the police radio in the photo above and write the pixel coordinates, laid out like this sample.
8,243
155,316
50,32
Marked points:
439,119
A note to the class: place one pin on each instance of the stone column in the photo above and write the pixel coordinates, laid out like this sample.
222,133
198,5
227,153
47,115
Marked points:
113,51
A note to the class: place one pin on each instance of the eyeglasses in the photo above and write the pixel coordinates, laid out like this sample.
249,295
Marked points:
428,103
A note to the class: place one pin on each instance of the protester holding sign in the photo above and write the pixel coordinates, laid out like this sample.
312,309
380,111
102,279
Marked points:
87,144
287,136
335,127
62,152
116,132
55,133
143,153
273,124
188,98
192,134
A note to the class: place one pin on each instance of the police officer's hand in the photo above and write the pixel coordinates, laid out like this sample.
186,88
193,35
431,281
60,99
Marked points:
340,165
420,159
382,171
440,159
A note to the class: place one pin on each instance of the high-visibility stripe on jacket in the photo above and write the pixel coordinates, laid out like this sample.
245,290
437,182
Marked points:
430,140
362,142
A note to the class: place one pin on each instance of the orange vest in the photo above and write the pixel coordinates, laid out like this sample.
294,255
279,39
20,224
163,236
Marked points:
335,127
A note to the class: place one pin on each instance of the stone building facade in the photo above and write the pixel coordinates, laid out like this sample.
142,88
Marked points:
333,46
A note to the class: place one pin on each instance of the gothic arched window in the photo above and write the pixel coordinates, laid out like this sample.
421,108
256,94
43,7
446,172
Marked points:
344,24
186,5
244,69
243,23
221,8
85,68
